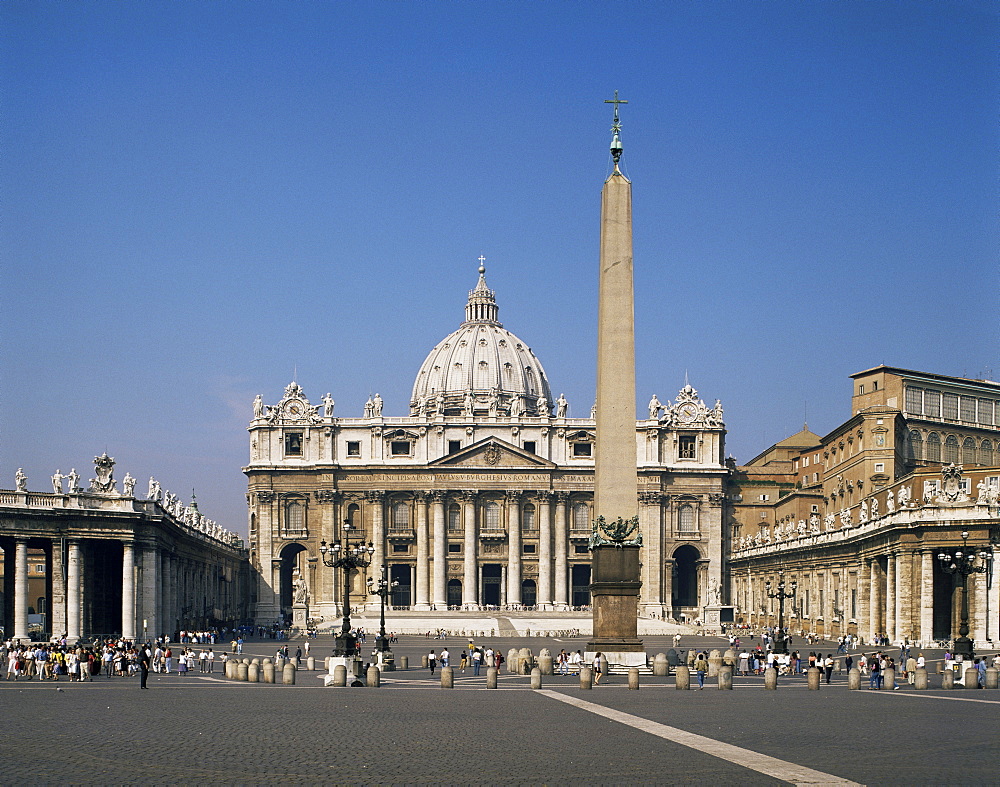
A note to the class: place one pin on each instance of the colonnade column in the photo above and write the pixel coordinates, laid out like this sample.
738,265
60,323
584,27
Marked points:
514,547
651,595
151,579
874,600
977,597
993,598
544,600
668,588
561,538
423,564
21,589
864,599
890,599
439,592
926,596
74,596
377,501
128,590
470,578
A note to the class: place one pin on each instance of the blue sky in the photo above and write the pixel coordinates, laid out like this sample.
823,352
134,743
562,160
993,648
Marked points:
199,199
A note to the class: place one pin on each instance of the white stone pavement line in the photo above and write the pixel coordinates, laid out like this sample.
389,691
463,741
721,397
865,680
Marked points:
762,763
938,697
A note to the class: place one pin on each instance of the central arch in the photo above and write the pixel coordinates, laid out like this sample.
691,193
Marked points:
290,561
685,584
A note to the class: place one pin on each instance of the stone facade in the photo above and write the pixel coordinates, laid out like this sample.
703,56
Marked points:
482,496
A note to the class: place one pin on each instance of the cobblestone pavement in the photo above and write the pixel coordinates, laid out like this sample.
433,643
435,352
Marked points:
201,728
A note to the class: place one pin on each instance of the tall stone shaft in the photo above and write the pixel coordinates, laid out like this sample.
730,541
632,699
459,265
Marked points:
615,493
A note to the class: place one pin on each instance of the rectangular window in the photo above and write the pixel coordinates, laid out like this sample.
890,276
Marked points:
880,467
401,549
854,603
529,446
293,443
805,603
583,449
400,447
686,447
765,498
949,407
814,509
453,548
861,388
454,520
581,549
932,404
968,409
353,448
985,411
454,446
528,549
914,400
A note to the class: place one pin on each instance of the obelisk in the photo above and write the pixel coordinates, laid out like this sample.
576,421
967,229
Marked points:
616,539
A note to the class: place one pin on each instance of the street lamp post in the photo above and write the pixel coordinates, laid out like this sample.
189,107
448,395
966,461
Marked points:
961,564
381,587
780,642
347,557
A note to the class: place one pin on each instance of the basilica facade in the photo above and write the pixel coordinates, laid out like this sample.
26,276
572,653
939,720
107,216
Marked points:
481,496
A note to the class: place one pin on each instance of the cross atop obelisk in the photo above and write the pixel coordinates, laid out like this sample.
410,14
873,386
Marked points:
616,538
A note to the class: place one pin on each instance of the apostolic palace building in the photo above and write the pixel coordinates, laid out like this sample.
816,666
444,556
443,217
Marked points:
481,496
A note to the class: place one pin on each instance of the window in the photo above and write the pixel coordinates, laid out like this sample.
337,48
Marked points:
985,411
295,517
400,516
293,443
951,449
861,388
454,518
968,409
453,548
949,407
353,448
765,498
40,568
454,446
528,549
932,404
492,516
986,453
583,450
969,451
528,518
854,603
686,447
915,446
580,549
814,509
933,447
581,517
685,519
880,467
914,400
401,549
529,446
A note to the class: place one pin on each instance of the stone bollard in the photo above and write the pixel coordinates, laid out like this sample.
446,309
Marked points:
447,677
771,678
253,673
633,679
726,677
512,661
229,669
682,677
586,678
288,675
972,678
326,664
729,658
544,652
889,677
948,679
920,681
714,662
545,664
661,667
404,662
813,675
267,672
536,678
311,664
525,661
423,661
373,677
605,669
838,666
247,662
491,678
255,661
854,679
279,664
242,670
992,677
340,675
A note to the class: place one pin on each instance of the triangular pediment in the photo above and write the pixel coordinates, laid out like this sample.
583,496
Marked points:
491,453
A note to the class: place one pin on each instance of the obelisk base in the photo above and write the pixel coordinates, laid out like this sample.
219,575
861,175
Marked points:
614,595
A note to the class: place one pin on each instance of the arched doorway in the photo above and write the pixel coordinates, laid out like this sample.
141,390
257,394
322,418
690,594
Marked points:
580,585
454,593
291,559
529,593
685,577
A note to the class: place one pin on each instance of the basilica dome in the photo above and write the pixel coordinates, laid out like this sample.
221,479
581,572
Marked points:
482,368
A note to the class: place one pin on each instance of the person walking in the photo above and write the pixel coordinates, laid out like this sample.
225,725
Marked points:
597,668
701,667
432,661
828,667
144,657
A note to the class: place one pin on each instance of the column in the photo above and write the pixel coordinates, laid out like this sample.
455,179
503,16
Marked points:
668,589
926,597
57,605
561,538
470,578
993,599
21,589
545,551
128,590
423,561
377,502
905,627
874,599
439,594
651,594
890,599
977,606
151,582
864,598
514,547
74,596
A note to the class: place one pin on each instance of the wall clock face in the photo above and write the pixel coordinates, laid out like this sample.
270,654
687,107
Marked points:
293,409
687,412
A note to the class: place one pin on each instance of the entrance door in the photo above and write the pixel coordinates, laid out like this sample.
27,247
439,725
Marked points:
685,585
529,595
492,577
580,583
454,593
400,594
